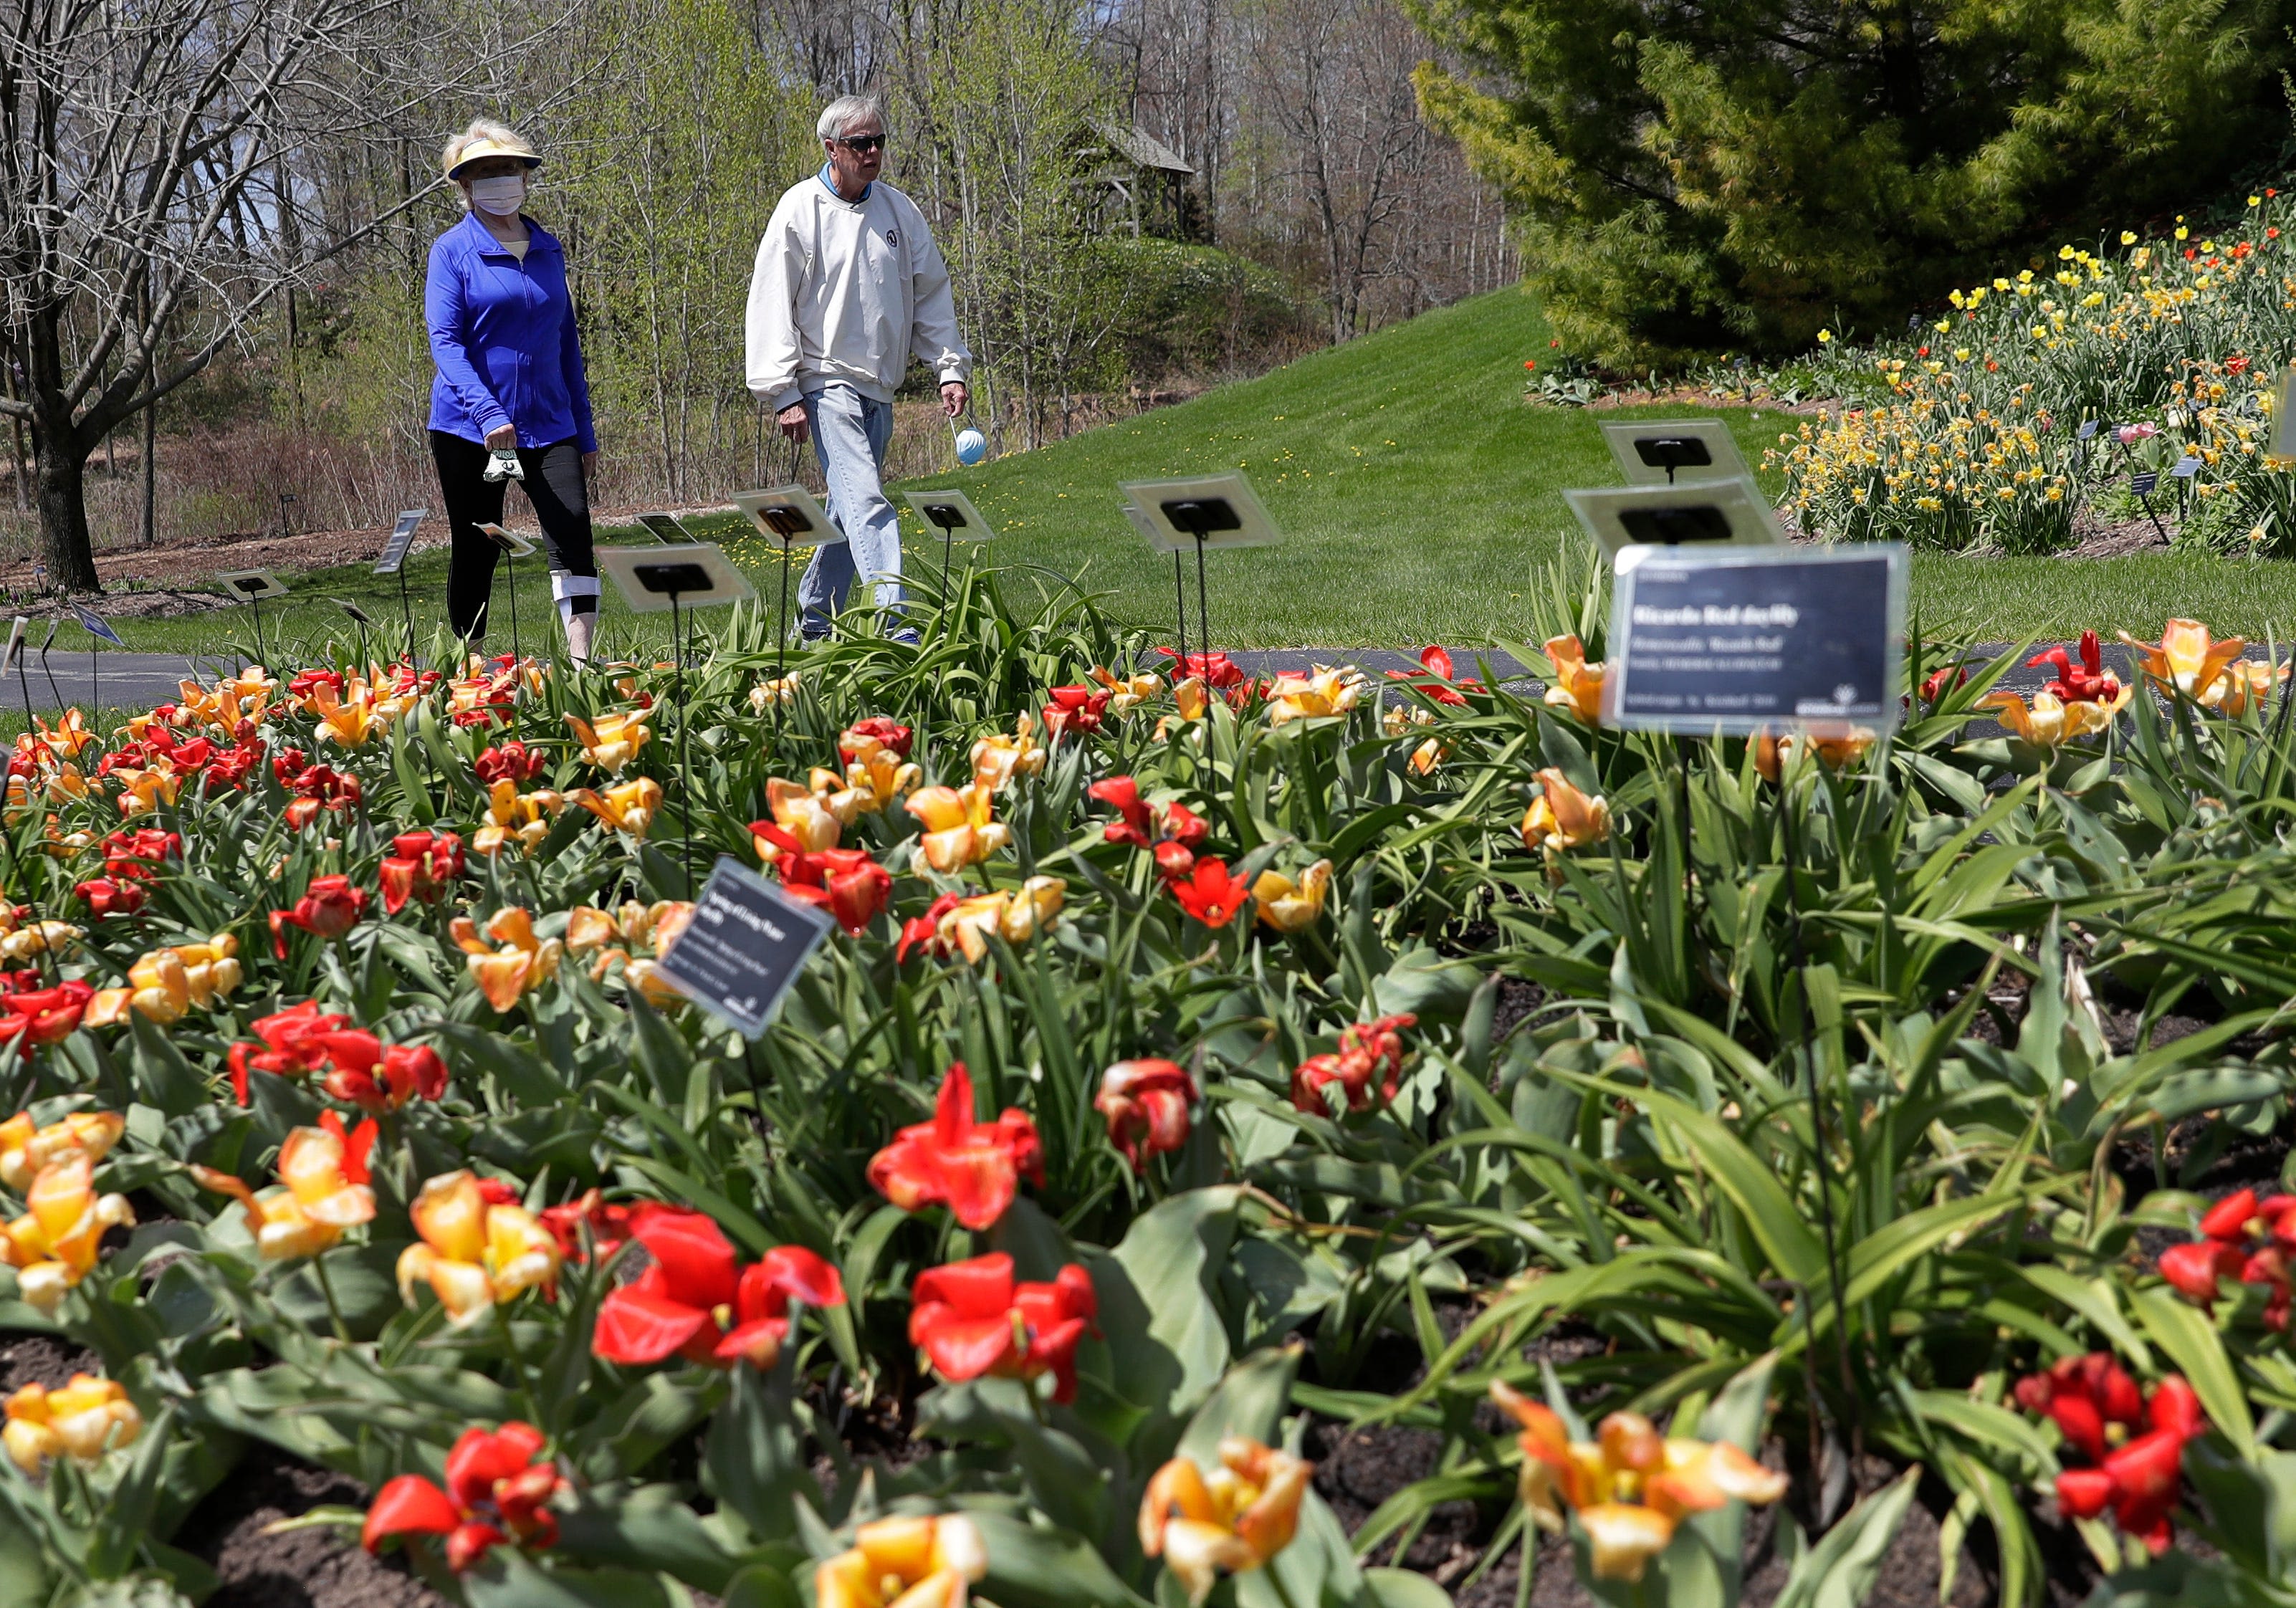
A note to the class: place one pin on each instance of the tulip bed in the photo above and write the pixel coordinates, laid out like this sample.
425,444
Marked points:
1698,1154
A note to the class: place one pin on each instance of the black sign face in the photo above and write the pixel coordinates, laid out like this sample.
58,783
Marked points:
673,578
744,947
666,530
1744,638
402,537
2142,484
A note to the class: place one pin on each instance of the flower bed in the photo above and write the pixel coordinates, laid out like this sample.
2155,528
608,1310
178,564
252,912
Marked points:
1186,1044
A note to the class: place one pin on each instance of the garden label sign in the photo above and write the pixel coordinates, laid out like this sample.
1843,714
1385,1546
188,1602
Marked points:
744,947
1742,638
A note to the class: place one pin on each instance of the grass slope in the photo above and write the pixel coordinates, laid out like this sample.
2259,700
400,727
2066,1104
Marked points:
1419,496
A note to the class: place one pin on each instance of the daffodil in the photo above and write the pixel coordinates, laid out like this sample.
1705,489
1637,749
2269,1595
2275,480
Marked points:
614,740
514,964
959,827
1629,1486
2186,659
322,1191
53,1245
1577,686
513,816
904,1562
1290,905
997,758
82,1419
1235,1518
627,806
1562,817
475,1250
1323,691
166,985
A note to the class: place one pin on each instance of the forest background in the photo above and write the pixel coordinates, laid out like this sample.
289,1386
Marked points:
1094,278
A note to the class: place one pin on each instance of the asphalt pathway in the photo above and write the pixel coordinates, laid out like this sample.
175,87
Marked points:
120,680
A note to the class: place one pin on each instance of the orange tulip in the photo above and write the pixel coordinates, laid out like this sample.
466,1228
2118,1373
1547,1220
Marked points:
322,1190
997,760
2049,722
1235,1519
511,815
25,1149
521,962
82,1419
803,814
1316,695
1126,692
1836,752
1562,817
629,807
2186,659
2243,686
958,830
1577,685
53,1245
478,1246
614,742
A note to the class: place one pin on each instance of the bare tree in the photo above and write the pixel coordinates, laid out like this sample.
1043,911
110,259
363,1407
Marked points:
168,168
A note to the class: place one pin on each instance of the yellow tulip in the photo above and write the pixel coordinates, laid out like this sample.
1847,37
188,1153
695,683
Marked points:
473,1254
2243,686
26,1149
1192,698
803,814
904,1562
1577,685
772,691
142,791
165,985
1835,751
877,777
1429,754
234,698
52,1246
2186,659
515,964
997,760
515,816
958,830
82,1419
593,931
1234,1519
1018,916
350,718
1562,817
628,807
322,1191
1126,692
614,742
830,790
1289,905
20,943
2050,722
67,736
1324,692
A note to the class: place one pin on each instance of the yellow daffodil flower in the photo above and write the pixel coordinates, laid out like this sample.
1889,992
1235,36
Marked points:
1236,1518
322,1191
614,742
2186,659
1562,817
1629,1486
1577,685
959,827
52,1246
82,1419
473,1254
627,806
1324,692
166,985
515,964
1289,905
911,1562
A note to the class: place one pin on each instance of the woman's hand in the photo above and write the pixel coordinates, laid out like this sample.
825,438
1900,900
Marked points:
589,461
502,436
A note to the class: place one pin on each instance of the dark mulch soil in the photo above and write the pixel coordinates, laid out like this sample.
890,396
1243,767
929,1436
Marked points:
42,1360
321,1567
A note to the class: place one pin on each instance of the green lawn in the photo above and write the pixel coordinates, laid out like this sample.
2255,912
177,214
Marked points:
1419,497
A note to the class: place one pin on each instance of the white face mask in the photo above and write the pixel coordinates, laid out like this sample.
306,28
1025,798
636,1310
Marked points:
500,196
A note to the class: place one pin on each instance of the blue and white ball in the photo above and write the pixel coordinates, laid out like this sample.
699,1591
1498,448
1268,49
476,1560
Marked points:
971,446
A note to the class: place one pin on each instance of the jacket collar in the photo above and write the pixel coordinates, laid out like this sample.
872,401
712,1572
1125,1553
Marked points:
481,239
828,183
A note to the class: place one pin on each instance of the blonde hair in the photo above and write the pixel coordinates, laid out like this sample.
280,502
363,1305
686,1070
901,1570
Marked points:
481,131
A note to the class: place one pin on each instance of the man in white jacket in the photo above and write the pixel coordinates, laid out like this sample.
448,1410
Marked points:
848,287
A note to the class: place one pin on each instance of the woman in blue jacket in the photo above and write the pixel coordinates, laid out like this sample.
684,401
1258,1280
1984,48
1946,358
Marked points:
510,400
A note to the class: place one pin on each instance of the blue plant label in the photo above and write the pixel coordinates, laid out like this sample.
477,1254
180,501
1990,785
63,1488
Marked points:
2142,484
2087,428
95,625
1747,639
745,946
2187,468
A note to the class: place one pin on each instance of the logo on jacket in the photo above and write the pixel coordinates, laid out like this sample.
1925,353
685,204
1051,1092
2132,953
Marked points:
893,237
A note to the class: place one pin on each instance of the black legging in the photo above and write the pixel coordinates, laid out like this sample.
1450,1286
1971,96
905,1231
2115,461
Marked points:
561,503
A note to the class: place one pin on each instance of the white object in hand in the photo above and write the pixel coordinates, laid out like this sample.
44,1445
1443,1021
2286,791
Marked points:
971,446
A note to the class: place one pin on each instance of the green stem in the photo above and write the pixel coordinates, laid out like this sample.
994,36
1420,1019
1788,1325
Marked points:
1276,1580
517,1362
327,1288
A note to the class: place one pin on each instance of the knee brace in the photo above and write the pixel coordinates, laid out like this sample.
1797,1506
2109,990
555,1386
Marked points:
575,594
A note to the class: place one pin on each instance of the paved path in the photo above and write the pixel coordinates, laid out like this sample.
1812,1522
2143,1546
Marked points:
140,680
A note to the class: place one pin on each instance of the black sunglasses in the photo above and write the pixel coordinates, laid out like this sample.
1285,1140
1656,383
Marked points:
864,142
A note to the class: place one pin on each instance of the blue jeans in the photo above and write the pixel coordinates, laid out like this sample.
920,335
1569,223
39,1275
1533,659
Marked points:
851,433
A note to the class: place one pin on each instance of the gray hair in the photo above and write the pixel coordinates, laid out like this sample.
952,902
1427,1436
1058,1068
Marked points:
846,110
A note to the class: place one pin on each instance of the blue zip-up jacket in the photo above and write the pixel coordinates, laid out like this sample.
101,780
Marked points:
502,333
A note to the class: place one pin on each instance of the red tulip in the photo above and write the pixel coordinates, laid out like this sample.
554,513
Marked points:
1122,793
2083,1395
330,908
138,853
2084,683
877,728
1367,1050
2094,1402
318,787
510,761
1939,681
366,1073
293,1043
672,1308
1445,688
1077,709
497,1494
1209,894
1218,669
105,896
974,1168
419,865
971,1319
923,931
609,1225
1146,1104
35,1015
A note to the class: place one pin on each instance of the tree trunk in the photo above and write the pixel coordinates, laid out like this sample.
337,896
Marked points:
61,477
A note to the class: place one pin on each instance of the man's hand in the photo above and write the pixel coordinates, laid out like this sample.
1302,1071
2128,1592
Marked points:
954,396
502,436
791,420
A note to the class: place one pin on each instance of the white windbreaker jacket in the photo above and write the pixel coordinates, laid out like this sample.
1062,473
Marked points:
848,291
